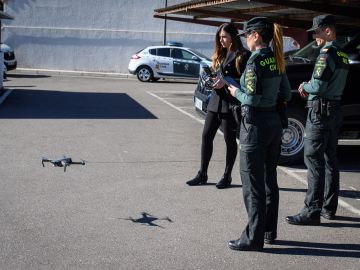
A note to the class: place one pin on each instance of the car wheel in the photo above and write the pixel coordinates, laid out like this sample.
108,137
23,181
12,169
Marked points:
144,74
292,147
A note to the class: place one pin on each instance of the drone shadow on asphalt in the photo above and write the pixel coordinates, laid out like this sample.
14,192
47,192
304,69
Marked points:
148,220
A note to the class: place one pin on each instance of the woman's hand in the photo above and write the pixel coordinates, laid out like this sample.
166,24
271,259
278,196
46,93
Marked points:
232,89
218,83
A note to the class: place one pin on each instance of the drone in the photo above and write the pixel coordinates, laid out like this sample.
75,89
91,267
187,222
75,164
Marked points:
62,162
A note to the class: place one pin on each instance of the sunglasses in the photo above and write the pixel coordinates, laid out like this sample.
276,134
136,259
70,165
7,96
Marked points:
248,34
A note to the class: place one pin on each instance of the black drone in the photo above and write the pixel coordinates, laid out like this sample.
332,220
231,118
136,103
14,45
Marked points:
62,162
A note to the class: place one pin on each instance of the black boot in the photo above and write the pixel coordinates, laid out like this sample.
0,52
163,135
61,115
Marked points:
200,179
269,237
237,245
300,219
224,182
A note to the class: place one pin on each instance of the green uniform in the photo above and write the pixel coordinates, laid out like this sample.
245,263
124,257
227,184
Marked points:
321,132
260,139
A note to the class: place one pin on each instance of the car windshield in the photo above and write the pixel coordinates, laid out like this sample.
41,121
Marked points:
200,54
311,51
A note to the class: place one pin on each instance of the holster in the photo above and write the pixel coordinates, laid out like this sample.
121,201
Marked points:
247,112
322,106
281,108
236,112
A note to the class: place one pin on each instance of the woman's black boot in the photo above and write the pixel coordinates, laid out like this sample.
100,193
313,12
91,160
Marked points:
224,182
199,179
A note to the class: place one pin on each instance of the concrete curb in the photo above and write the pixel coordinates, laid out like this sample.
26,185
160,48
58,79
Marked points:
72,73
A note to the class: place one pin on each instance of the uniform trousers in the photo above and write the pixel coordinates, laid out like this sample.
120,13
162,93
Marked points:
213,121
260,143
320,142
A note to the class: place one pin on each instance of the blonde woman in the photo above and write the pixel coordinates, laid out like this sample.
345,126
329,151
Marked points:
263,82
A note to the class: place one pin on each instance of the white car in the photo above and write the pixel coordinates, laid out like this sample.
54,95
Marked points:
9,57
155,62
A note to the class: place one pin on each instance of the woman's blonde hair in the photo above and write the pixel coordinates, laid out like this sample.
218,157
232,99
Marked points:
277,44
236,45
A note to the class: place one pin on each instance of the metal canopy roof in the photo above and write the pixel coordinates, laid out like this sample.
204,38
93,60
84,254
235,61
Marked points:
288,13
5,16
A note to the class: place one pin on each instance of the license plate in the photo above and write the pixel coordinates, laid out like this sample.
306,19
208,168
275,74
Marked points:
198,103
11,62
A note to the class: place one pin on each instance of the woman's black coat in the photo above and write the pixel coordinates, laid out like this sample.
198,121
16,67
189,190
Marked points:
221,98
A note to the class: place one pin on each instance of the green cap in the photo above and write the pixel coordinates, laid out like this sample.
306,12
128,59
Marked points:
322,20
257,23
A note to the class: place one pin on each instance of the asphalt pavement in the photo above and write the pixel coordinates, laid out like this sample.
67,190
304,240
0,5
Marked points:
128,207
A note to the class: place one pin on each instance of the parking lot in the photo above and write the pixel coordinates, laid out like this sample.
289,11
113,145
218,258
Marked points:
129,207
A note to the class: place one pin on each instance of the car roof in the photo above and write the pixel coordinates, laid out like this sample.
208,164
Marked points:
167,46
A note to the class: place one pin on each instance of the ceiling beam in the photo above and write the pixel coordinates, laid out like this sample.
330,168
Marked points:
328,7
228,14
188,20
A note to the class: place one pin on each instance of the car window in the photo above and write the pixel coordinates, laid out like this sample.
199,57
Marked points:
163,52
152,51
187,55
311,50
201,55
176,53
181,54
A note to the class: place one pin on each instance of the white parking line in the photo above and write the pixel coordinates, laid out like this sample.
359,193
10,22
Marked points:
290,172
172,92
5,95
187,99
304,181
176,108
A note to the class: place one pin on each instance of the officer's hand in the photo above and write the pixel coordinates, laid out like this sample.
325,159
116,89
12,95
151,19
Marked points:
232,89
302,92
218,83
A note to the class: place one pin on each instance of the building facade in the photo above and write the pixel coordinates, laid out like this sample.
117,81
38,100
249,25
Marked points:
93,35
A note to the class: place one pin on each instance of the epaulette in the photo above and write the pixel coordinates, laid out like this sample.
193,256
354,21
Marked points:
324,50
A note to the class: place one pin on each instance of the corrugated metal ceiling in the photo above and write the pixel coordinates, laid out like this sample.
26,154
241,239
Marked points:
290,13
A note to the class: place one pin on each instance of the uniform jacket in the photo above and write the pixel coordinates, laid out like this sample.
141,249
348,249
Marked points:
330,73
261,84
221,98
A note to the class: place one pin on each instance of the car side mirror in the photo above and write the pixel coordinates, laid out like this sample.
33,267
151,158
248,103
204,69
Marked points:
195,58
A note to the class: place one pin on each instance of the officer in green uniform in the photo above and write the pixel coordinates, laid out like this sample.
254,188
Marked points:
263,82
324,119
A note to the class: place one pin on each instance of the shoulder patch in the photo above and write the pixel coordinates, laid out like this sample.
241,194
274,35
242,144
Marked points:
250,80
320,66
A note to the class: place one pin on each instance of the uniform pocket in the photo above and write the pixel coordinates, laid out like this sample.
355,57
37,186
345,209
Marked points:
248,136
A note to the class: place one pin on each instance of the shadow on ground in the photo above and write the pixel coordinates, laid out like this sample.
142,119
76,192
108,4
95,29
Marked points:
314,249
46,104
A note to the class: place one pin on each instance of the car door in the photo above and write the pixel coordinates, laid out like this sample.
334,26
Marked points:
185,63
164,63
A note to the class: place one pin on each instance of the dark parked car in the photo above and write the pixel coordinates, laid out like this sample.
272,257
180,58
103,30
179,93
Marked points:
300,65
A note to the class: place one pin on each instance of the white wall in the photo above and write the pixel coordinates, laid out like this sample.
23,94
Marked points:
92,35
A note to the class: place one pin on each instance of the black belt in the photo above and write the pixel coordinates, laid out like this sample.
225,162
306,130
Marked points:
264,109
332,103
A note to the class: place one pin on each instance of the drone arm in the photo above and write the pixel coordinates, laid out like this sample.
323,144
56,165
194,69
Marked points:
45,160
78,162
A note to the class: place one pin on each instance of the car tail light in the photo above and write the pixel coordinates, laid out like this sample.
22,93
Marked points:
135,56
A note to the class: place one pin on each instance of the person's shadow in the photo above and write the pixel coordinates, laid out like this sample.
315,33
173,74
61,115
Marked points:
314,249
